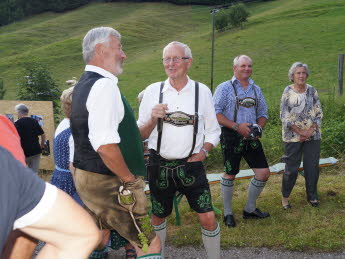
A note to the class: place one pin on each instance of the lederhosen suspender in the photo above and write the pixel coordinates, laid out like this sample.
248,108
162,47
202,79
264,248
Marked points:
160,121
196,118
236,102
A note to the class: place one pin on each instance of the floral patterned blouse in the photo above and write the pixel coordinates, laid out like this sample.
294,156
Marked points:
302,110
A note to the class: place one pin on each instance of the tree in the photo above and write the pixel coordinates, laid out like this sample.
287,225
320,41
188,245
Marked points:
233,17
238,15
2,90
222,21
37,84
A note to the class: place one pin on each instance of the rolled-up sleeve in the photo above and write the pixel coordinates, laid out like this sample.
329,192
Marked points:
219,99
212,129
106,111
145,107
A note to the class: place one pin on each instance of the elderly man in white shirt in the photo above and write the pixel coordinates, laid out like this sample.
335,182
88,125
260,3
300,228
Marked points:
178,118
108,154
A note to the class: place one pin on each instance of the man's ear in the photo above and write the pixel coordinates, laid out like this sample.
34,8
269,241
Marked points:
190,62
98,49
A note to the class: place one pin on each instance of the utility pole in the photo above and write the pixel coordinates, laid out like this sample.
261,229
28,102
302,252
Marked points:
340,73
213,11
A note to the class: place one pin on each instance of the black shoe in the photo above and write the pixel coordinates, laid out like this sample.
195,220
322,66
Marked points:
256,214
315,204
287,207
229,221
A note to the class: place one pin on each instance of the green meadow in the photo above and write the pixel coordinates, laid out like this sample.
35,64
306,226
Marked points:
277,34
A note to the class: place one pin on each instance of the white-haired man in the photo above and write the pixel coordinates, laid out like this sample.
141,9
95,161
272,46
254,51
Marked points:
108,150
178,117
242,112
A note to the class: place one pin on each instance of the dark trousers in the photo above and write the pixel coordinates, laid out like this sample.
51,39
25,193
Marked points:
310,150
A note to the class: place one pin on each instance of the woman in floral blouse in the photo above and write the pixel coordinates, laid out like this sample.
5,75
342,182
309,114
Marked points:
301,115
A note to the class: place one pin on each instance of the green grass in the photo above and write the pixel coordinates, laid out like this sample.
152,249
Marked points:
303,228
277,34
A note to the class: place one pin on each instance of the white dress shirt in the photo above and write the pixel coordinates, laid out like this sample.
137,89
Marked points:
177,141
105,108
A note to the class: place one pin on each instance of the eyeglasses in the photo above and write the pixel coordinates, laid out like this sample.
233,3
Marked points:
174,60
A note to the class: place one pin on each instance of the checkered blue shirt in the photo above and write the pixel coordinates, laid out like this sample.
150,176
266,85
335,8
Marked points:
225,101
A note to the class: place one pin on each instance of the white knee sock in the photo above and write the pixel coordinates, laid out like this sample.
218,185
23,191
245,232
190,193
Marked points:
161,231
227,187
255,188
211,240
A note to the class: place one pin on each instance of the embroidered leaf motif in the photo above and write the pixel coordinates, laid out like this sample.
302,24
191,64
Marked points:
227,166
204,200
156,206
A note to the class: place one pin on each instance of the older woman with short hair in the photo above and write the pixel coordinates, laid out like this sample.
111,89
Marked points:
301,115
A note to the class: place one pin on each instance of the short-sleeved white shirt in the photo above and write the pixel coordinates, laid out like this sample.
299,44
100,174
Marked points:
105,108
177,141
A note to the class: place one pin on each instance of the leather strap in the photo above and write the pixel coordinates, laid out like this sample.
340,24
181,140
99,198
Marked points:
160,121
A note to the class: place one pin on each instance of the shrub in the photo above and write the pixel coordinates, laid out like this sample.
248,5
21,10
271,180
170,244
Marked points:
38,85
234,17
2,90
238,15
221,22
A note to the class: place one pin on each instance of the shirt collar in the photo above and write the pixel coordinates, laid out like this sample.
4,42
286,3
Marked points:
235,81
167,85
101,71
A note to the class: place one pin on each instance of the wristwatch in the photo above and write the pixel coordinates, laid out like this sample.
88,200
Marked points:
205,151
235,128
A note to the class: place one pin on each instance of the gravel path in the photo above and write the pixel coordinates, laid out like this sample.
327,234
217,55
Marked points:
236,253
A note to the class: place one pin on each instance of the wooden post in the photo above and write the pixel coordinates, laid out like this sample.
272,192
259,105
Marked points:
340,73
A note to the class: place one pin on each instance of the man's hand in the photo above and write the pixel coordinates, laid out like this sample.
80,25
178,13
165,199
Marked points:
201,156
158,112
154,248
244,129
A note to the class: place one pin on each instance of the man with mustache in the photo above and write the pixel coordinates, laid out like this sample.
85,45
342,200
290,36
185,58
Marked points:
108,149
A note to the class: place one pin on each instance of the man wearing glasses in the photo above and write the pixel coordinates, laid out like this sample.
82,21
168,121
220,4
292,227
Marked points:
178,118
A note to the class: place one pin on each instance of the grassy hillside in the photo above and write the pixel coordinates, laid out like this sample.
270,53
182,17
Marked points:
278,33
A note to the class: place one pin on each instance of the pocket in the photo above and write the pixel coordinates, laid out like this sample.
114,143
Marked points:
188,173
141,204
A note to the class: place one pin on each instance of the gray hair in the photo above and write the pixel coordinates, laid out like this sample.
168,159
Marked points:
21,109
95,36
293,68
237,59
187,50
66,101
